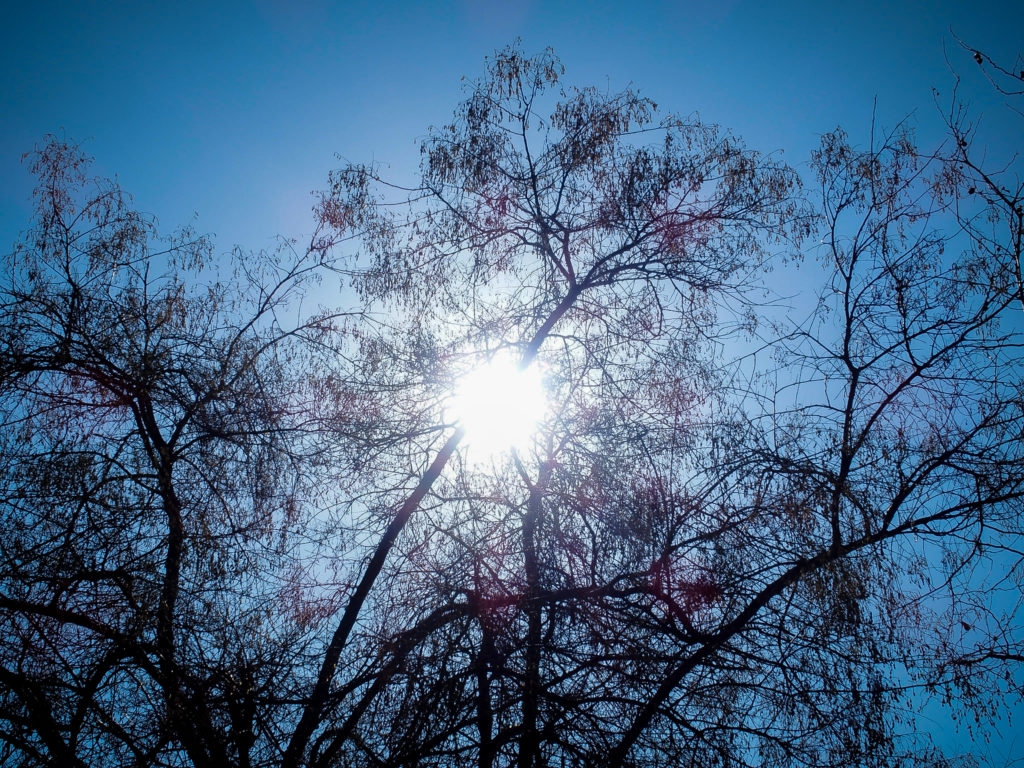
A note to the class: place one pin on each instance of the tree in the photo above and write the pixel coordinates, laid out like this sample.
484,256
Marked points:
248,535
161,446
992,210
527,233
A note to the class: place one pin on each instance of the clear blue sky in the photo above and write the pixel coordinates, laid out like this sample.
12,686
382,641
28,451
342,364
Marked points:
235,111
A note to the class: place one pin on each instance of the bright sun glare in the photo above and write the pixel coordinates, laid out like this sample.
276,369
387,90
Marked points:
499,405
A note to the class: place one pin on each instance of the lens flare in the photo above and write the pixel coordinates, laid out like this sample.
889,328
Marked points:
499,405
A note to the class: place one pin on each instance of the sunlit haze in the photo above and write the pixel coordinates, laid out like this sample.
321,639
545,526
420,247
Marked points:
499,405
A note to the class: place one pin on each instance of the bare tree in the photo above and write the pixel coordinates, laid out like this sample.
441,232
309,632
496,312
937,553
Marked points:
239,539
990,194
161,443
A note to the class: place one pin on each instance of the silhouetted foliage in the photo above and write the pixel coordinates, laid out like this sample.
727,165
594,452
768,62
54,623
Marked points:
241,531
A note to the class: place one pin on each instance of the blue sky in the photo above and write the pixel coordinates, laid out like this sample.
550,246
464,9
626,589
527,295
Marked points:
234,112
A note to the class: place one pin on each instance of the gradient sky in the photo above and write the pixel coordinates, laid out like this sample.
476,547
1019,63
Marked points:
234,112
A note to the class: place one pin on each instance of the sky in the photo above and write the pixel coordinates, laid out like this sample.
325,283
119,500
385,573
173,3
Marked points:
227,116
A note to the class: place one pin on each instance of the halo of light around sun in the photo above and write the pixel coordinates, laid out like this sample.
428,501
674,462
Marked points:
499,405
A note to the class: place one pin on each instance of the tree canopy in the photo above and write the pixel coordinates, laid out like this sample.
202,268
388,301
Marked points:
244,529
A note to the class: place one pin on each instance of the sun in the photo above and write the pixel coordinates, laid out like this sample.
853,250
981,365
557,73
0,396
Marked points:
499,405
